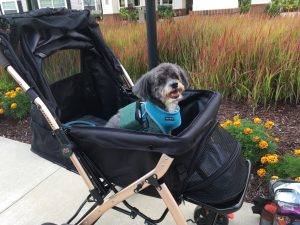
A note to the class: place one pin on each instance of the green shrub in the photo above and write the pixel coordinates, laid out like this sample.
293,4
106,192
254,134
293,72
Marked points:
287,167
130,13
165,12
245,6
274,8
255,137
14,104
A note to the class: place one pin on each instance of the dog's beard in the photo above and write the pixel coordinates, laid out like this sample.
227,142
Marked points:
171,96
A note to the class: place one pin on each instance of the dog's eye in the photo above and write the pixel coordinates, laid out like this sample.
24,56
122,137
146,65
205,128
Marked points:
174,76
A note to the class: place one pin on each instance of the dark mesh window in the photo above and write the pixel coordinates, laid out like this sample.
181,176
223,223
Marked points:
61,65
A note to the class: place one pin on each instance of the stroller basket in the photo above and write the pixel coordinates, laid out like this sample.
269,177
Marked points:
199,162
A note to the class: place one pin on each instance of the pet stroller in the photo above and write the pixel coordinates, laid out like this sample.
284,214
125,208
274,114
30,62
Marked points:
199,162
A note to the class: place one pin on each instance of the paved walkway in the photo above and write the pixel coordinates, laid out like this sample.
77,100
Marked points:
34,191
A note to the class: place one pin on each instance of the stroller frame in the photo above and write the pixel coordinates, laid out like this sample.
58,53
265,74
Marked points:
95,180
148,179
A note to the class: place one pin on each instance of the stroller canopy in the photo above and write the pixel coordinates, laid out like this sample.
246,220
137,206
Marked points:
36,35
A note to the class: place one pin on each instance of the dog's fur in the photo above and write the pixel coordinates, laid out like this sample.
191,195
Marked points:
163,86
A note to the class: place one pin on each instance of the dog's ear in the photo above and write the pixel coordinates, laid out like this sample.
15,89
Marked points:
183,76
142,88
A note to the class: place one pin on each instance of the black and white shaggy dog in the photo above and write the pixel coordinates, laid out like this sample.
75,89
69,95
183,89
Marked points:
160,90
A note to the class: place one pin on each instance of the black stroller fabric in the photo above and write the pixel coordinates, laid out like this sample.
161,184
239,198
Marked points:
207,166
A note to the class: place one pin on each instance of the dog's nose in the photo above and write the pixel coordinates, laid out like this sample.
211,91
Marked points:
174,85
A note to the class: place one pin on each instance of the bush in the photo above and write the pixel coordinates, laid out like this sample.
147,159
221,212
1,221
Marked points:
245,6
165,12
287,167
129,13
14,104
274,8
277,6
255,137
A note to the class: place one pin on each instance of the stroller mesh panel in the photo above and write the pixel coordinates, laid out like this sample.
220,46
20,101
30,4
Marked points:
217,166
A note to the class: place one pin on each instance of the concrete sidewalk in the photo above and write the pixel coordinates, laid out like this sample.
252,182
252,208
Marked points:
34,191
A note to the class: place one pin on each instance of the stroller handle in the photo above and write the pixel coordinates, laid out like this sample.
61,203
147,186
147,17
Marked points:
58,132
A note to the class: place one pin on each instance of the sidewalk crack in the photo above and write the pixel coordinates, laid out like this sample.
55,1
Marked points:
24,195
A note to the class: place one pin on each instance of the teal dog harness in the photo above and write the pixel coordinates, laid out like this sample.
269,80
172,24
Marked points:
145,116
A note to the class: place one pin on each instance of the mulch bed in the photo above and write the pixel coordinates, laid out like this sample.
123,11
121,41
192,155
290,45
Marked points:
286,118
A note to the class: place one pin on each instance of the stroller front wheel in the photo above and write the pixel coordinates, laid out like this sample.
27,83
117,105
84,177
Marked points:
203,216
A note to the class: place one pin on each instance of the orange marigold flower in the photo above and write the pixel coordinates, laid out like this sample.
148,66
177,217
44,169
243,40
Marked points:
228,122
13,105
272,158
297,152
248,130
2,111
261,172
263,144
236,118
274,177
276,139
13,94
7,94
264,159
257,120
297,179
223,125
256,138
18,89
269,124
237,123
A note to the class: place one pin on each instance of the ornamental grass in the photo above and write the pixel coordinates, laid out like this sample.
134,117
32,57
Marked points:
246,58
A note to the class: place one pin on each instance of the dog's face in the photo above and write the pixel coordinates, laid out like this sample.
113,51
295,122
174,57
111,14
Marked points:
163,86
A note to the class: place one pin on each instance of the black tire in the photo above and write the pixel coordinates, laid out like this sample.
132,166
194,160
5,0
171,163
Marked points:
203,216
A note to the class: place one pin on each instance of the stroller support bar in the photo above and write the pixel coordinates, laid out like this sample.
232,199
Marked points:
51,121
161,168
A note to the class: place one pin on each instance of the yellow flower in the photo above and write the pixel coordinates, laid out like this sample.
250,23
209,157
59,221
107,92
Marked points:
7,94
13,105
18,89
297,179
272,158
261,172
274,177
264,159
269,124
248,130
223,125
228,122
257,120
256,138
236,118
237,123
263,144
13,94
297,152
276,139
2,111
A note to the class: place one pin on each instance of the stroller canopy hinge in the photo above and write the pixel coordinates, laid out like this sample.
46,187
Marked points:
152,180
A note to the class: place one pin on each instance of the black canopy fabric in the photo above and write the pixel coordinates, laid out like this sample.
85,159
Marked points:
37,34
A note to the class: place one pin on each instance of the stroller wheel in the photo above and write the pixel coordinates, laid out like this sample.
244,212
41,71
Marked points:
203,216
